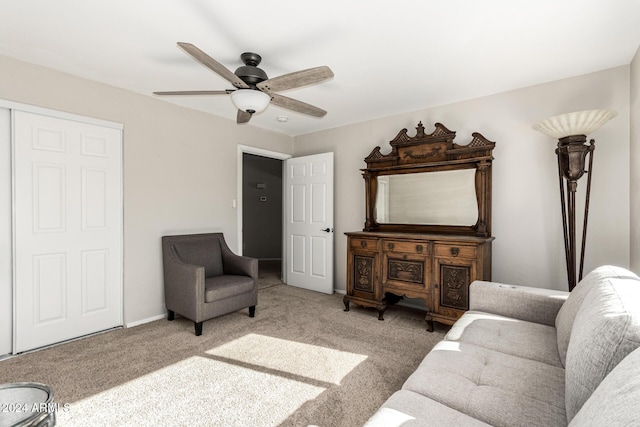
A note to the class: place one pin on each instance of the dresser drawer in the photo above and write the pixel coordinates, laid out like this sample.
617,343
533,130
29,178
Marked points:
408,247
455,251
363,243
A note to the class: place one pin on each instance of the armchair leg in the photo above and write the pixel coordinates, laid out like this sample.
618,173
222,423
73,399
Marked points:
170,315
252,311
198,326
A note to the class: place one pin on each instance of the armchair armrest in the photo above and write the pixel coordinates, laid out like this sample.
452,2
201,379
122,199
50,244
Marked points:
183,285
236,264
520,302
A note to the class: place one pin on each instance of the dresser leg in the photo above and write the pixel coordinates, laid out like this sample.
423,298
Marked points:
346,303
381,310
429,323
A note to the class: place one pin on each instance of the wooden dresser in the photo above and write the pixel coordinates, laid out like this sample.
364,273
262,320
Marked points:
431,259
435,268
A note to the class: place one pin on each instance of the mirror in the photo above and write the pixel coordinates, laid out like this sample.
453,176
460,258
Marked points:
429,184
428,198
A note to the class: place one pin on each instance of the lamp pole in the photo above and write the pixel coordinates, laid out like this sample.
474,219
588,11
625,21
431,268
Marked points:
572,152
571,131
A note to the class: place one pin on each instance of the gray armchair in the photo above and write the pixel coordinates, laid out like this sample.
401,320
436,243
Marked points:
203,279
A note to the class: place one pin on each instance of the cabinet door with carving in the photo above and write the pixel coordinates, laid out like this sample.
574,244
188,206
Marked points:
453,275
363,269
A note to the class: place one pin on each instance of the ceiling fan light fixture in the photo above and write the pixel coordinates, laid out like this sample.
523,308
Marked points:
250,100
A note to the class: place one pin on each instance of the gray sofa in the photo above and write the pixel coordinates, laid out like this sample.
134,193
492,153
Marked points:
526,356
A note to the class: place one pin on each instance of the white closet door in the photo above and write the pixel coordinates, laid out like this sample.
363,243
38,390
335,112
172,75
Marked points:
6,297
68,229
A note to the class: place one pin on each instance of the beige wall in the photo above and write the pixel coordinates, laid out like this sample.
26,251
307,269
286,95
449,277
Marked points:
526,209
635,162
180,167
175,160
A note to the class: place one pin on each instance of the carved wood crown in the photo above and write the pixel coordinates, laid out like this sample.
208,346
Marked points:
438,146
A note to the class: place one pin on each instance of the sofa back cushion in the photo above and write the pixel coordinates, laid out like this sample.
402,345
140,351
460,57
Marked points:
568,311
605,330
203,250
615,401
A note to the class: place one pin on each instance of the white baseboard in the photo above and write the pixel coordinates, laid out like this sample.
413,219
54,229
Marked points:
340,291
147,320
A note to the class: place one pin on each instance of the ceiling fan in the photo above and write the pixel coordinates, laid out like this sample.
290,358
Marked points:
253,89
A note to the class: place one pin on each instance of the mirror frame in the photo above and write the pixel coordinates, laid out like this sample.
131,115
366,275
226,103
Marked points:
431,153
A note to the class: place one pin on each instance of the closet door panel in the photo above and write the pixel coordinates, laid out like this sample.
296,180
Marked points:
68,229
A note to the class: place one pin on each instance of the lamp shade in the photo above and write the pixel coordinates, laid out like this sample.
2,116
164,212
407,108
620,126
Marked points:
250,100
577,123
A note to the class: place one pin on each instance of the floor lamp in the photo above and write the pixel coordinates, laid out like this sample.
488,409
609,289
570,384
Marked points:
571,132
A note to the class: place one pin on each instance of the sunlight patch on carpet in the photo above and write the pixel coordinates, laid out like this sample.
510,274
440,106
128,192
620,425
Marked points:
197,391
305,360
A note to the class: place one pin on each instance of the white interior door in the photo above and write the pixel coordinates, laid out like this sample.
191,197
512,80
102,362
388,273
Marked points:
68,229
309,222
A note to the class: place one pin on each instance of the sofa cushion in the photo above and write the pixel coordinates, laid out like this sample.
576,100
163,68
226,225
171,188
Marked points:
615,401
507,335
568,311
605,330
222,287
408,409
204,252
496,388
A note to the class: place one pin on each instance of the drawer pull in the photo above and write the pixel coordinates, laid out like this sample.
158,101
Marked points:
455,251
391,246
419,248
363,243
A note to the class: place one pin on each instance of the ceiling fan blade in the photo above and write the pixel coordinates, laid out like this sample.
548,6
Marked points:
296,79
195,92
295,105
214,65
243,117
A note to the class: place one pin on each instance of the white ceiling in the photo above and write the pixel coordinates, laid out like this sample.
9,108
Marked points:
388,56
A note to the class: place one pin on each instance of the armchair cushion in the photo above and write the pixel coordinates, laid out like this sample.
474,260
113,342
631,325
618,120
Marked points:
222,287
204,252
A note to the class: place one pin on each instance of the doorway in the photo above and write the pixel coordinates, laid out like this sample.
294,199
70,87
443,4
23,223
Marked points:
260,209
306,256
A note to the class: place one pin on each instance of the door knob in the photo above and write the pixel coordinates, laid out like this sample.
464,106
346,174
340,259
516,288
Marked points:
327,230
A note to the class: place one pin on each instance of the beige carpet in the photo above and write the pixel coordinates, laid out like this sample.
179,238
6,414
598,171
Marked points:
301,361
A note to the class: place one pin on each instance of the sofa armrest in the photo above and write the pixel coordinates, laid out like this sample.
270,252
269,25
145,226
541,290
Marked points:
519,302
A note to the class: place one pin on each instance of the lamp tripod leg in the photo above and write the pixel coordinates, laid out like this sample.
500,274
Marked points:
586,209
564,219
571,194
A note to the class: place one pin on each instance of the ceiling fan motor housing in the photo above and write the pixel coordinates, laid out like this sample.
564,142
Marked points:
250,73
